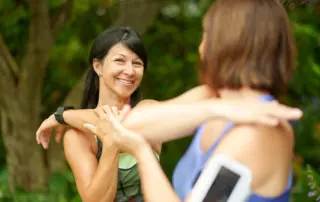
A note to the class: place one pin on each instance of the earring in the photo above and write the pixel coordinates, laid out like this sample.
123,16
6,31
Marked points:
99,74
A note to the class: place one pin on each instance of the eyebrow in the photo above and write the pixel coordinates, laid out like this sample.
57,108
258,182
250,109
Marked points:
126,56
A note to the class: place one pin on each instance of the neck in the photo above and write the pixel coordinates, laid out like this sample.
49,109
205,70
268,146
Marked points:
108,97
242,93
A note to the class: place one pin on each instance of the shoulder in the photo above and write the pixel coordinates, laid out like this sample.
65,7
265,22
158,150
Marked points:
262,149
260,137
147,102
74,140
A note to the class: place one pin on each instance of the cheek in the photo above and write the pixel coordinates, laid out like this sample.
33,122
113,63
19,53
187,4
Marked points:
139,75
111,70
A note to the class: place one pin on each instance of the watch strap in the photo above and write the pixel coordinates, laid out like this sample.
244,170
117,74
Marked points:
59,114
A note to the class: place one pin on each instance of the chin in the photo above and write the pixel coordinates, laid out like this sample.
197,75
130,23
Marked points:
125,93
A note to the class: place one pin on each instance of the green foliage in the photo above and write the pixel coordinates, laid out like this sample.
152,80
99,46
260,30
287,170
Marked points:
172,43
61,189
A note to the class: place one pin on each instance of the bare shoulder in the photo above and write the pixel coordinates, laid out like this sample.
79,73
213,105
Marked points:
262,149
76,140
147,102
261,139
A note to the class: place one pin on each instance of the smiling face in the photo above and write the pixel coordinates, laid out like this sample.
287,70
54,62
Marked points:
121,70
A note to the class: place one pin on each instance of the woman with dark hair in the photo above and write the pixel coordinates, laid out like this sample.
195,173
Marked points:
118,60
120,75
251,58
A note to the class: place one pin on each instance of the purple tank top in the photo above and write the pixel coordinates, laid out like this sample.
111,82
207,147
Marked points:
192,162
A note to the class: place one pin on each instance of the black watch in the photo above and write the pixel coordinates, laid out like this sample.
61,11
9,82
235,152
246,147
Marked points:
59,112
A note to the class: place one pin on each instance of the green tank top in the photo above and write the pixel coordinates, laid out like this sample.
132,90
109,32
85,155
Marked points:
128,177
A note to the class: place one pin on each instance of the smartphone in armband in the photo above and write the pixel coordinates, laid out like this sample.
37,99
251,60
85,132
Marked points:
222,180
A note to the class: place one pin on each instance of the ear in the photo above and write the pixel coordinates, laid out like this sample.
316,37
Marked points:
97,66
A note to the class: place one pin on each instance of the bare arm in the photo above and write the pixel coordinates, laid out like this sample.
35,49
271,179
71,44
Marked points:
95,181
179,117
158,121
155,184
76,118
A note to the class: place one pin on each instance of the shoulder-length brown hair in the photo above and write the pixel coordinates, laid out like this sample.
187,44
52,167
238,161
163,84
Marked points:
248,43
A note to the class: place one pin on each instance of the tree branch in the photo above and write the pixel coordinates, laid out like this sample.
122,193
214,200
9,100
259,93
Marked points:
61,17
144,11
36,59
9,68
138,14
8,78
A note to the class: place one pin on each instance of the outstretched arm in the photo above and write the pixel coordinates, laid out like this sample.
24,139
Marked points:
176,118
76,118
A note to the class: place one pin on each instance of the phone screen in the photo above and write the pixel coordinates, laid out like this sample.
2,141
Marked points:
222,186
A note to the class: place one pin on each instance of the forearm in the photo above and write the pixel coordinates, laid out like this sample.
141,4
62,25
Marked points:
164,122
155,185
157,123
76,118
103,186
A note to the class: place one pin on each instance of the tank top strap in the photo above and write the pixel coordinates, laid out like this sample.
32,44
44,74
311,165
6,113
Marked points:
99,143
266,98
289,185
225,131
229,126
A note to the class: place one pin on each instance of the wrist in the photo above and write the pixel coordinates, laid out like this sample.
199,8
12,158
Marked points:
59,114
209,109
67,114
108,145
214,108
142,150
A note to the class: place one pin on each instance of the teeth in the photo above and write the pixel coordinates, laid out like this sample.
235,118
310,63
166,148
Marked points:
125,82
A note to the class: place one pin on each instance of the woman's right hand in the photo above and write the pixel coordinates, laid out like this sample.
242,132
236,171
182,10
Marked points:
43,133
253,111
126,140
103,129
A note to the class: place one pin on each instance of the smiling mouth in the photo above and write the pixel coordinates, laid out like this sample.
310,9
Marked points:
126,82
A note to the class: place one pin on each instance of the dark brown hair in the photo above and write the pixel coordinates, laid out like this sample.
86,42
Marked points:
248,43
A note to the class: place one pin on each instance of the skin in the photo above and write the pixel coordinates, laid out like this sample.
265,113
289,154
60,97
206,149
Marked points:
121,73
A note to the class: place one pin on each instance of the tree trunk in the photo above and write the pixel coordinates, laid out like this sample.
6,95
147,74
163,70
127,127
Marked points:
26,165
20,98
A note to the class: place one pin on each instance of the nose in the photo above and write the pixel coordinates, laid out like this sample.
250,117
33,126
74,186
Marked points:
129,70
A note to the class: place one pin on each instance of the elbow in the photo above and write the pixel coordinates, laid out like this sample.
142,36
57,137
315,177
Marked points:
99,196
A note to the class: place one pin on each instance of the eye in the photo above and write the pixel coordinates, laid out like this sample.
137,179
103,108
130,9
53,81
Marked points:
120,60
137,63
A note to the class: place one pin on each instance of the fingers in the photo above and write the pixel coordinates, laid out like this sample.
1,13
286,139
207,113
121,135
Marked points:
267,120
59,132
124,112
40,131
100,112
45,139
281,111
115,111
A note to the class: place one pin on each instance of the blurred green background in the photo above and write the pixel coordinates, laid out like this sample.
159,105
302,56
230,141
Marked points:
43,56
